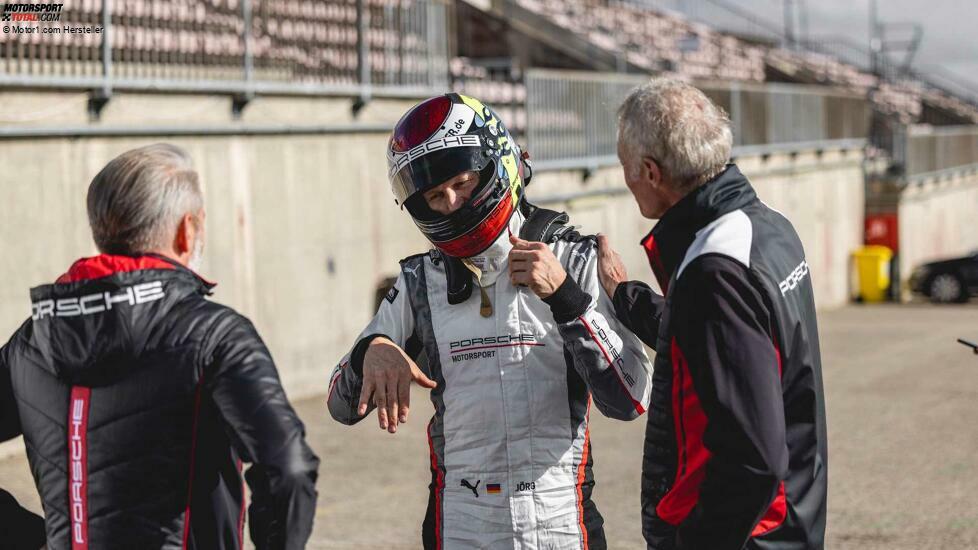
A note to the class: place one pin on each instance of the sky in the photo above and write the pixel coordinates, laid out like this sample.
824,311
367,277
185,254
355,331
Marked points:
950,37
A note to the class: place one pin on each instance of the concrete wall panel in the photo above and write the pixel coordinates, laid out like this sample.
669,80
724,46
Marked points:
822,195
302,228
938,220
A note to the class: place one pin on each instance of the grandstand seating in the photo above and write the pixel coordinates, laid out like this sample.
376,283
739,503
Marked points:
292,40
505,93
648,37
315,41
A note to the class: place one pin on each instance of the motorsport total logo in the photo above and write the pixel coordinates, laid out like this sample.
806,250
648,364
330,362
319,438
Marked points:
33,13
28,19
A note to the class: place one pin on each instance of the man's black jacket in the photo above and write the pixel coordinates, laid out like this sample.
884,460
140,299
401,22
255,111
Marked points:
20,529
735,445
138,400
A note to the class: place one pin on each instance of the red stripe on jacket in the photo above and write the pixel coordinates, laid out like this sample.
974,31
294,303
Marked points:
78,465
692,455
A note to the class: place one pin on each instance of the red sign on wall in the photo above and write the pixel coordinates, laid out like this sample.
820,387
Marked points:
882,229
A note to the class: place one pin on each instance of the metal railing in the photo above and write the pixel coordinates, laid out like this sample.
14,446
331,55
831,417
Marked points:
924,149
572,116
789,113
498,82
840,145
240,47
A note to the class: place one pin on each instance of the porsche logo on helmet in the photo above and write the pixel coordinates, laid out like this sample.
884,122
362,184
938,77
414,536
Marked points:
439,139
398,160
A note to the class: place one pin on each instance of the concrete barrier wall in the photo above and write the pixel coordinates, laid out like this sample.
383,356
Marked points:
300,228
821,193
938,219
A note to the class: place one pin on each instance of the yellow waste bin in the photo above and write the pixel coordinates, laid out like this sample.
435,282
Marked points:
872,264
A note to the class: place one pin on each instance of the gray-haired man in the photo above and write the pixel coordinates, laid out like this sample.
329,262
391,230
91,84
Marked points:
139,399
735,449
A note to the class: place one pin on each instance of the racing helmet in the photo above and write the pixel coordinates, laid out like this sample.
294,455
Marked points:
440,138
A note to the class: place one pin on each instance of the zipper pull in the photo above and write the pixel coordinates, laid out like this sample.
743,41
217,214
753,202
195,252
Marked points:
485,308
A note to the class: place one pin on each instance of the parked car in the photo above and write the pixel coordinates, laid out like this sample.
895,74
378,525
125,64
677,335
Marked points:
944,281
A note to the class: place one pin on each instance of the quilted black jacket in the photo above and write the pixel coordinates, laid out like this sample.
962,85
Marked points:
139,400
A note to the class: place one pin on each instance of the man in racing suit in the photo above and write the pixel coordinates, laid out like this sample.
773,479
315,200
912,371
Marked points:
513,361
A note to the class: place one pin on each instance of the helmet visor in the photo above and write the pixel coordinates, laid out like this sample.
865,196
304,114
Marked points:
434,162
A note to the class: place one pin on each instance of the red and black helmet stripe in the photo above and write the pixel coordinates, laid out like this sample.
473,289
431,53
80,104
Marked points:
484,234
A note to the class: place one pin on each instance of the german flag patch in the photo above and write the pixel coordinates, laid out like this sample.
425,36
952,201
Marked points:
493,488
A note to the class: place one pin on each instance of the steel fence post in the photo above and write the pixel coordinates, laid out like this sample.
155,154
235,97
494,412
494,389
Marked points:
363,57
240,101
100,96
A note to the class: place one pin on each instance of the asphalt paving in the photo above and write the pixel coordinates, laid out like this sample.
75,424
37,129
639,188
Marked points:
902,400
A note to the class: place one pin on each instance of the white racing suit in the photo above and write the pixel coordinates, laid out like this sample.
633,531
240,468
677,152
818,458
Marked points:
509,441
